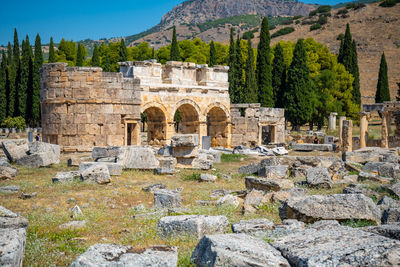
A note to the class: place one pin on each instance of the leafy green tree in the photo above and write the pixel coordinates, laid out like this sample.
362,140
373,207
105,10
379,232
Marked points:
382,90
123,53
144,51
251,82
80,55
213,56
3,81
66,52
10,82
348,57
106,63
25,84
298,110
52,55
278,76
95,57
34,109
175,54
264,68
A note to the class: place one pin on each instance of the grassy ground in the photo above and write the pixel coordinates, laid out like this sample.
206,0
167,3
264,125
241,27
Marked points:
108,210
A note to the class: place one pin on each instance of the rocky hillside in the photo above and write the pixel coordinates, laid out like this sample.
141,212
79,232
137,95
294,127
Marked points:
198,11
375,29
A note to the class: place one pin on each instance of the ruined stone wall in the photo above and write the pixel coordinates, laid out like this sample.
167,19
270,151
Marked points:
248,121
84,107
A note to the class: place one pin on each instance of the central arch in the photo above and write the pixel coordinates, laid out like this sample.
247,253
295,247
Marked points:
156,126
217,127
189,121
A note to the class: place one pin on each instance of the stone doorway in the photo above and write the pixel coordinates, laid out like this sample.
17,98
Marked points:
217,127
267,134
156,126
131,135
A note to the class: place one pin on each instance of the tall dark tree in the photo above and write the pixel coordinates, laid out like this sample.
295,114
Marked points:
398,92
25,84
240,94
251,82
123,52
95,57
106,63
264,68
52,55
10,82
175,55
232,77
213,55
15,77
16,53
348,57
153,53
80,55
278,76
382,90
3,81
34,109
298,109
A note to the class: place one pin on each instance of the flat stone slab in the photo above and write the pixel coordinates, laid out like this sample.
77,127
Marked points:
267,184
9,189
312,147
236,250
164,198
192,225
137,157
15,149
110,255
115,169
329,244
339,207
66,177
185,140
389,230
249,226
96,173
274,172
319,177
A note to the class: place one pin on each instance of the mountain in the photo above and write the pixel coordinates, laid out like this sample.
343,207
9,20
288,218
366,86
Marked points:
199,11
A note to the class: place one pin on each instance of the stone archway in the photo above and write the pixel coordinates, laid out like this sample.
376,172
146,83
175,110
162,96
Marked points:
156,126
217,127
189,119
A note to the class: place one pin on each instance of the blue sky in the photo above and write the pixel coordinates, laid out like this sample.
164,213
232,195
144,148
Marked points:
78,20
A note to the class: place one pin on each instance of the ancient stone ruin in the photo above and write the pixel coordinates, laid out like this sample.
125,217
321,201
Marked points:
86,107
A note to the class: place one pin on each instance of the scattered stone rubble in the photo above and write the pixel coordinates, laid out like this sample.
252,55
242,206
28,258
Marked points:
12,238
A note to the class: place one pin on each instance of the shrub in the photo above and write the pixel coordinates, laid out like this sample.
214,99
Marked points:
322,20
287,22
388,3
308,22
282,31
340,37
342,11
17,123
319,10
357,223
316,26
297,17
297,21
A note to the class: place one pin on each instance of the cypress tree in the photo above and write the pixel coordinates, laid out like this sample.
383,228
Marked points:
34,116
10,82
278,76
153,53
175,55
232,71
3,81
213,55
382,90
106,63
398,92
123,53
239,92
52,55
80,55
356,74
251,82
15,77
95,57
298,109
264,68
25,83
348,57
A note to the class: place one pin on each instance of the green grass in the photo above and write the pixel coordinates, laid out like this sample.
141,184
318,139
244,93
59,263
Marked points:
226,158
191,177
358,223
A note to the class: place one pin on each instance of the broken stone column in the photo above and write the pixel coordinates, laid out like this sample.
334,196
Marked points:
332,121
385,132
185,148
347,136
363,129
341,119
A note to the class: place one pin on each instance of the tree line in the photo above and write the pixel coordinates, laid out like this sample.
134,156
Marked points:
304,77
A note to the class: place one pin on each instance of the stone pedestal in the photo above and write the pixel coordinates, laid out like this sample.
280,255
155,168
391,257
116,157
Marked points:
347,136
332,121
341,119
363,129
385,132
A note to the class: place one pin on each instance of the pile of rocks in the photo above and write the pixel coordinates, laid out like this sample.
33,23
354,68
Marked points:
12,238
34,155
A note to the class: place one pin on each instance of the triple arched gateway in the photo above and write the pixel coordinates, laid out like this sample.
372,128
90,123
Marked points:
147,103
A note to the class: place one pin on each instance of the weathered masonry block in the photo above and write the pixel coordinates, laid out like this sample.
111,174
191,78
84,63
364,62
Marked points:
85,107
